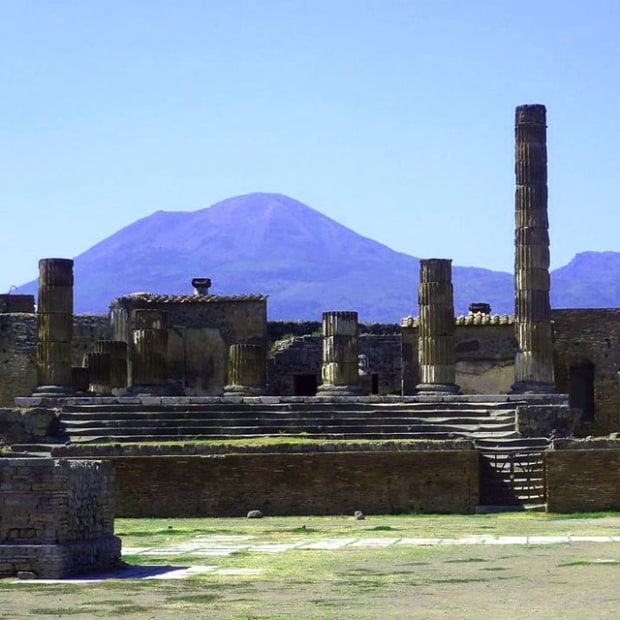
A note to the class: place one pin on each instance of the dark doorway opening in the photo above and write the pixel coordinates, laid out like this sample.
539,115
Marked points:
374,389
305,385
581,390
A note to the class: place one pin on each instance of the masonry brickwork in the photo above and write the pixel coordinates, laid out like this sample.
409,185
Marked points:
590,338
583,476
56,517
319,482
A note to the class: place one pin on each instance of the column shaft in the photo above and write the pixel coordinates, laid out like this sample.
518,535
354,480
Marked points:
246,370
534,358
436,355
340,367
55,327
149,364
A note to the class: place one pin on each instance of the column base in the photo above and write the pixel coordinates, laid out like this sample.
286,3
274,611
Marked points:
150,390
533,387
243,390
435,389
54,390
329,389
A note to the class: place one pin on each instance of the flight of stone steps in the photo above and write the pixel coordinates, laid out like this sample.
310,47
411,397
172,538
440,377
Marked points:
512,470
121,423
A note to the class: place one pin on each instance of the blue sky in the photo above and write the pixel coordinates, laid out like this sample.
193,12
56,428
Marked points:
394,117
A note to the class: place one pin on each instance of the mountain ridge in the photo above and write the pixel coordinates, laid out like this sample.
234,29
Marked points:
305,261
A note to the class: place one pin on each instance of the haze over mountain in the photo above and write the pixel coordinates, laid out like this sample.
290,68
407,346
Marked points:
306,262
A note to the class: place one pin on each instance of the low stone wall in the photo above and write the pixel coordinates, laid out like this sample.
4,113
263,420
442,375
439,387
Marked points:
583,475
56,517
321,482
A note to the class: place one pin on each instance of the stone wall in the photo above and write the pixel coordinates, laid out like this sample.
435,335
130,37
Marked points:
201,328
56,517
590,338
18,357
376,482
18,365
301,356
583,476
485,353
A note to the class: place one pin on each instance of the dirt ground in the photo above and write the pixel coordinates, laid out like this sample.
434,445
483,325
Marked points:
575,580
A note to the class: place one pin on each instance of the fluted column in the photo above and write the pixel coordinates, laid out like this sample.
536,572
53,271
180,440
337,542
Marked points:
339,370
534,359
246,370
55,327
107,363
149,363
436,354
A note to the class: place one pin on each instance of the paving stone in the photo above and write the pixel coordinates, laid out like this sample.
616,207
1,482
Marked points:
374,542
329,543
547,540
420,541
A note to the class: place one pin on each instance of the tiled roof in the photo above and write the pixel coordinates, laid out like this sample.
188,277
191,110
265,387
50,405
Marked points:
155,298
472,318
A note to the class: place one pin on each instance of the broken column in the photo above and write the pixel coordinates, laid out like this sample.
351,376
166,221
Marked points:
107,365
534,359
246,370
149,362
339,370
436,354
55,327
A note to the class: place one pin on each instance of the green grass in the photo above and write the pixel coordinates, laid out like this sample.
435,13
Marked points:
352,582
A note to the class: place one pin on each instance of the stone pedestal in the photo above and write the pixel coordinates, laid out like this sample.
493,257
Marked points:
436,354
57,517
339,370
534,359
149,363
246,370
55,327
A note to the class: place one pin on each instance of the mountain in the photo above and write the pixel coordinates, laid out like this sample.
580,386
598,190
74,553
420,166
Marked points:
306,262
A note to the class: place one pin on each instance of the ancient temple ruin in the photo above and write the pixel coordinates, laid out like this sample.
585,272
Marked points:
454,412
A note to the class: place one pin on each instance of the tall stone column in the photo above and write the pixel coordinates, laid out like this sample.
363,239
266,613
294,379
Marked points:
55,327
436,354
339,370
246,370
534,359
149,363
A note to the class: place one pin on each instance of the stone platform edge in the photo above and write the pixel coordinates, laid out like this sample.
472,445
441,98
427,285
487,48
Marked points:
101,451
39,401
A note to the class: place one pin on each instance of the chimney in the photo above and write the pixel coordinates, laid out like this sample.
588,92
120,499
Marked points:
201,286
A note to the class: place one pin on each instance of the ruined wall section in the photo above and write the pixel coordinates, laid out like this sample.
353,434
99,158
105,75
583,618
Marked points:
18,339
583,475
18,365
57,517
376,482
301,356
201,329
590,336
485,352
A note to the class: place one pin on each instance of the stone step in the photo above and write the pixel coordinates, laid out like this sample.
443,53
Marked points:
459,423
319,436
296,408
255,429
497,444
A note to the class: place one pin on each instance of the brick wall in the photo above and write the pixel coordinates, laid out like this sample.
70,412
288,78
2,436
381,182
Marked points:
56,517
582,480
424,481
592,337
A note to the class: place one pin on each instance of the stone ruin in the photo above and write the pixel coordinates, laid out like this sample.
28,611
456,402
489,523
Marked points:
56,517
179,353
